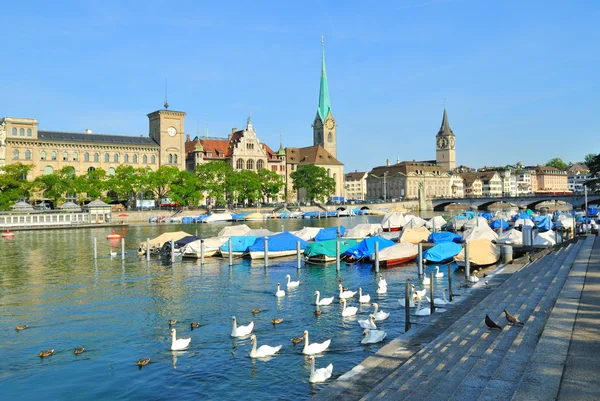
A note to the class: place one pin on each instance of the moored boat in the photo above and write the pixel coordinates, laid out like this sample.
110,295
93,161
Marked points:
444,252
279,245
211,247
397,254
324,251
482,252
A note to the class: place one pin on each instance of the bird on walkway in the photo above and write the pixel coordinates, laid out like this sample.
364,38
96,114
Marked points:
512,319
491,324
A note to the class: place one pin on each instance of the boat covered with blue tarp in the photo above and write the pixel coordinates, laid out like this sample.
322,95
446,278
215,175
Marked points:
499,223
239,244
329,233
444,236
283,244
324,251
542,222
444,252
366,247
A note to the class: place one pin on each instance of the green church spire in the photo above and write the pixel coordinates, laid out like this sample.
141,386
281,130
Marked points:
324,103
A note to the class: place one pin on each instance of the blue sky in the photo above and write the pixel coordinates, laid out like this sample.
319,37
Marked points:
520,77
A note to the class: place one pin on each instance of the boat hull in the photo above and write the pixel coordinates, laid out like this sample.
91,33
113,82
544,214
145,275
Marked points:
275,254
397,261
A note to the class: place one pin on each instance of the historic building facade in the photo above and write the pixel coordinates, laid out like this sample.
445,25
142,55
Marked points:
356,185
403,180
49,151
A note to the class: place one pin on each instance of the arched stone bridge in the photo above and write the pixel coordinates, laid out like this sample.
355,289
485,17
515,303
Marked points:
578,201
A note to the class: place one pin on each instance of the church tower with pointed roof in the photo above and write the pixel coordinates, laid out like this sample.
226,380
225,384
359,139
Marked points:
445,145
324,126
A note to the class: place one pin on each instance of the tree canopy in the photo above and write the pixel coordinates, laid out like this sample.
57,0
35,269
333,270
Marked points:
558,163
315,181
594,166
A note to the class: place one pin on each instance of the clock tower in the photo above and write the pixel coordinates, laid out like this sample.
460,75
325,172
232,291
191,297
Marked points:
324,126
445,145
167,129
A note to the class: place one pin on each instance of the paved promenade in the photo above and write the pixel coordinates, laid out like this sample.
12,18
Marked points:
554,355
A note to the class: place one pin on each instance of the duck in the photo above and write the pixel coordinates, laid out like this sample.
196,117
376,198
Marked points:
373,336
324,301
78,351
178,344
172,322
297,340
438,274
262,351
21,327
46,353
363,299
422,311
473,278
256,310
241,331
143,362
321,374
194,325
280,292
441,301
314,348
348,311
318,311
290,283
380,316
368,323
345,294
277,320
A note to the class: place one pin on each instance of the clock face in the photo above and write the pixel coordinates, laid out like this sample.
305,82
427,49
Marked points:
330,124
171,131
442,142
452,144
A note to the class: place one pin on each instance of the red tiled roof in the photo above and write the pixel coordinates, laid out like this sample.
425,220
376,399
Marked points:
310,155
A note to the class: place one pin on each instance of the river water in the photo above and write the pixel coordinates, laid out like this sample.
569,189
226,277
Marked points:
119,311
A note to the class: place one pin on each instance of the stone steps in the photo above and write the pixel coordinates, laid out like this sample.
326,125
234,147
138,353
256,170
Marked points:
462,361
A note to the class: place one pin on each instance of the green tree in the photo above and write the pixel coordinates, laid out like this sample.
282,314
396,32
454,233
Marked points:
54,186
270,182
122,183
558,163
589,159
186,189
250,185
315,181
159,181
13,184
214,180
594,166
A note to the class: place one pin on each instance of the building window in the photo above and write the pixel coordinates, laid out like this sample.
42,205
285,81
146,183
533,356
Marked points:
53,155
21,132
170,158
65,156
153,159
43,155
274,168
239,164
86,157
15,154
328,172
145,159
106,158
250,146
260,164
28,155
126,158
48,170
14,132
135,159
75,156
175,159
329,138
250,165
116,158
91,169
110,171
28,131
96,157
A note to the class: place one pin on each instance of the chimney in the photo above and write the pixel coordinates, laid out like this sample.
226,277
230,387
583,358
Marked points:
188,138
88,131
234,130
387,162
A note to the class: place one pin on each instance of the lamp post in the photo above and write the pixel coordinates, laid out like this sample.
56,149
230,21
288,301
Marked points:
384,186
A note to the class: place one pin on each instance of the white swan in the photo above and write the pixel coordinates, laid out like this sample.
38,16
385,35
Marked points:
441,301
379,315
262,351
241,331
411,298
324,301
382,289
420,293
321,374
280,292
373,336
363,299
382,282
314,348
345,294
177,344
348,311
423,311
291,283
438,274
473,278
368,323
426,280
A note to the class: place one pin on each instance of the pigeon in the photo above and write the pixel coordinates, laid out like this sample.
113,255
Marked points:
491,324
511,319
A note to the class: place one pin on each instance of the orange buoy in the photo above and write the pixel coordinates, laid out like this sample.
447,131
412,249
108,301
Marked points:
7,234
113,235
